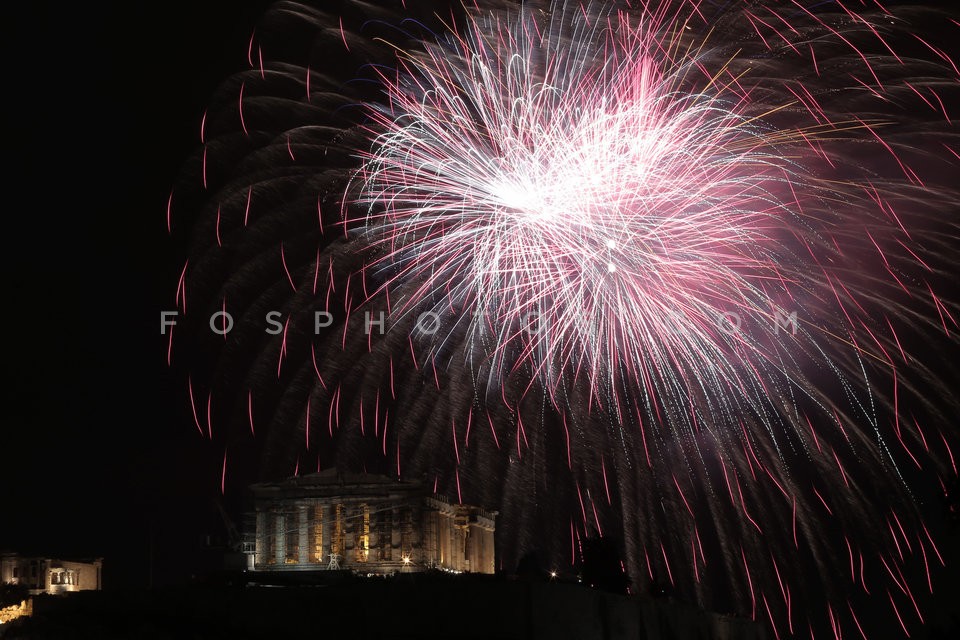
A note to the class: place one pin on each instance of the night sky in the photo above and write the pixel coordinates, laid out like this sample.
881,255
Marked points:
97,450
98,453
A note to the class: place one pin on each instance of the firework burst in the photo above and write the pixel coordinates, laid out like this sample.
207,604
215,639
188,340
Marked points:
652,270
587,210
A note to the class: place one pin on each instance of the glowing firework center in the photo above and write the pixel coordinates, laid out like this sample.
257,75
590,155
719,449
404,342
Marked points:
587,210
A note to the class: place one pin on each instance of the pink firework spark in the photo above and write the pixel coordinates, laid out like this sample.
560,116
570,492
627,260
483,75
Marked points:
599,206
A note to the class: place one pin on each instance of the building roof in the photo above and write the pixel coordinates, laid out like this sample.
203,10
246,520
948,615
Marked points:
360,486
334,483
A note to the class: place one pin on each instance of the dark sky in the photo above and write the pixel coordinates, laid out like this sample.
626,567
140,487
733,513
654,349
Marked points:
102,107
98,454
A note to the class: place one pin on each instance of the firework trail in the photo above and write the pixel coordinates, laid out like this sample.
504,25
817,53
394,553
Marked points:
650,271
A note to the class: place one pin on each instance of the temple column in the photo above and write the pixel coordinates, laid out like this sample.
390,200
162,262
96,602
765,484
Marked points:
260,541
396,528
280,529
303,556
327,532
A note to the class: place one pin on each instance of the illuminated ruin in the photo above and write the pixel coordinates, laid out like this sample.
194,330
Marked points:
366,523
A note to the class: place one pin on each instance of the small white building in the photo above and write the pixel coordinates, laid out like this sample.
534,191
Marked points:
50,575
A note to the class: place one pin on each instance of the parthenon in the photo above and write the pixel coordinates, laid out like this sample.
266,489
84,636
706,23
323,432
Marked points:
366,523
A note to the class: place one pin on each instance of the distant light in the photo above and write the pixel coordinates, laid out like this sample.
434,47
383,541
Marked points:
553,574
406,559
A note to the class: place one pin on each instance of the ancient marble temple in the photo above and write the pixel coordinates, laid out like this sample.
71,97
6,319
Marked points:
366,523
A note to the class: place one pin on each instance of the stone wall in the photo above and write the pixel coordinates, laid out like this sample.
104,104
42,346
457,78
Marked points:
24,609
